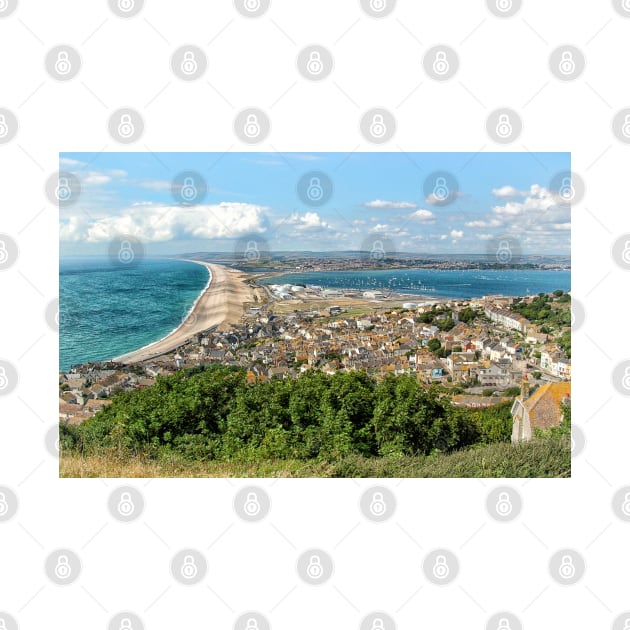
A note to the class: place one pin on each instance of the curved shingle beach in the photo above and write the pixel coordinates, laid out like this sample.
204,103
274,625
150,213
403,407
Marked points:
220,303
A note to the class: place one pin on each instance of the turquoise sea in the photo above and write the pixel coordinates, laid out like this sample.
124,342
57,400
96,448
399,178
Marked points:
106,310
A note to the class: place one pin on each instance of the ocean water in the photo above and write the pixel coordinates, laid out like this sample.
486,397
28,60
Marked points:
106,311
458,284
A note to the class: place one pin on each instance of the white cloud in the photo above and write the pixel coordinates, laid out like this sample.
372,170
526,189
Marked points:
506,192
457,233
166,223
434,200
96,179
422,215
483,224
69,162
306,221
397,205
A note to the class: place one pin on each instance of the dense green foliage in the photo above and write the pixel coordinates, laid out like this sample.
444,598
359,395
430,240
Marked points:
544,310
440,317
212,414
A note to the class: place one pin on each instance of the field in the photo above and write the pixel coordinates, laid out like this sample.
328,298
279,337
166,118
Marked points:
539,458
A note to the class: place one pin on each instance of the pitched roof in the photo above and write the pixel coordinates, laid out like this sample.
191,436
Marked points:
543,405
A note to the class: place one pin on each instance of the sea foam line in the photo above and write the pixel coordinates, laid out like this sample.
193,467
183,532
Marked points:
192,308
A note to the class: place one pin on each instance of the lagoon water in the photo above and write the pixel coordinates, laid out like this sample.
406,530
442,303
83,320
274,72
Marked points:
107,310
458,284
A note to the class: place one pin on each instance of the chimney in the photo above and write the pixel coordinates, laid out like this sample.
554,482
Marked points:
524,388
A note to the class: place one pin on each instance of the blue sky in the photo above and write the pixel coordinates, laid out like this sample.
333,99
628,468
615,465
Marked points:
256,194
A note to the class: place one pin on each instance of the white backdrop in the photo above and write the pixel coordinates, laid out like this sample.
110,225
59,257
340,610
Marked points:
251,566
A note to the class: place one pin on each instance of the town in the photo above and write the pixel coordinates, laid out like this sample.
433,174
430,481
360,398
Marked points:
479,351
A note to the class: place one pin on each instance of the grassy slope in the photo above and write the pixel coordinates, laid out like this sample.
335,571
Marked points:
545,458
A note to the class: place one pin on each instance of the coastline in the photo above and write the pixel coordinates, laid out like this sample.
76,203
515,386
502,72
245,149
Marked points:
221,302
